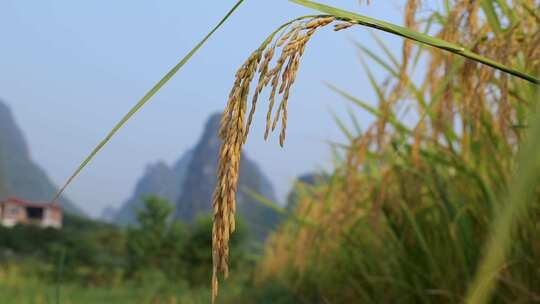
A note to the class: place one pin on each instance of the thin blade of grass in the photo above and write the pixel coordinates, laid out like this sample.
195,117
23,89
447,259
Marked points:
378,59
385,49
145,99
274,206
519,197
374,84
393,72
59,274
491,15
341,125
398,125
510,14
355,122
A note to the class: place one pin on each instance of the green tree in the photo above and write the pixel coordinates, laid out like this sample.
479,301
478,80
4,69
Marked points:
156,243
197,250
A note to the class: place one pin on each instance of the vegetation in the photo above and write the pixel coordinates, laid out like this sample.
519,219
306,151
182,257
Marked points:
448,130
156,261
450,163
92,250
404,217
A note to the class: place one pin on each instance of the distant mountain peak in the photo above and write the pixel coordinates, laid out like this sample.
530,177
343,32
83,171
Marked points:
192,184
11,135
19,175
198,187
158,179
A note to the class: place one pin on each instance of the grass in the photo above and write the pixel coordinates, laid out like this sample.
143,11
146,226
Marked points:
20,284
519,200
35,292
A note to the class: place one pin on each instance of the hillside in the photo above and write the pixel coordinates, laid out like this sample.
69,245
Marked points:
190,183
158,179
199,185
20,176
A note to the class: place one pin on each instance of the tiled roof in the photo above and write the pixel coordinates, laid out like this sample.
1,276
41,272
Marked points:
20,202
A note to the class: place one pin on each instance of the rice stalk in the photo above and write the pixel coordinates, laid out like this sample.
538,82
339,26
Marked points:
429,188
292,40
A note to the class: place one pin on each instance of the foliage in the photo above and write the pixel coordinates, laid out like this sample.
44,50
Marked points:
198,251
157,260
156,243
403,217
93,250
160,245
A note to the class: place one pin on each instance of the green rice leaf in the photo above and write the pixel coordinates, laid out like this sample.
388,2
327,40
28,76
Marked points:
274,206
145,99
519,198
491,15
413,35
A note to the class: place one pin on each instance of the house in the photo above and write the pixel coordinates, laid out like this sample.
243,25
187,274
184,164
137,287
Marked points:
15,211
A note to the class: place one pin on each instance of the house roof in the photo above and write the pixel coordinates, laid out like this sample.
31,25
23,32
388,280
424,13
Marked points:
20,202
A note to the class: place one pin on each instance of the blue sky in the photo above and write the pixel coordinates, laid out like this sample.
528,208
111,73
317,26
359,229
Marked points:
70,69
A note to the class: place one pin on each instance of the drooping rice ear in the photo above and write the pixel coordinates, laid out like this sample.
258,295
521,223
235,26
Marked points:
234,126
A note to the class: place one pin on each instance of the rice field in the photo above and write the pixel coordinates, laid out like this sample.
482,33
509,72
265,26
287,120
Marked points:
434,202
437,200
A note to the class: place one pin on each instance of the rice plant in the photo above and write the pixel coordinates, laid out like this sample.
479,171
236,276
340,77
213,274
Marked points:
447,170
404,217
293,38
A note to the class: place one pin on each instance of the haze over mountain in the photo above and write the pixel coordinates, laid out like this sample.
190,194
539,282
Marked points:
19,175
190,184
198,187
158,179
